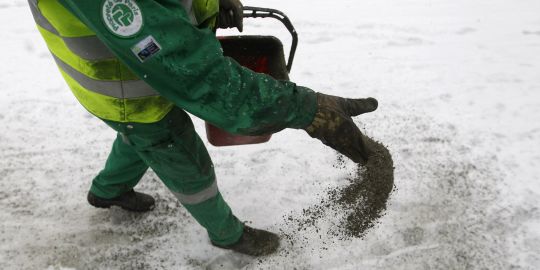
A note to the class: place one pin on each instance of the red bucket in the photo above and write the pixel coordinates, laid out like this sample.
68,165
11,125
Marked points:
262,54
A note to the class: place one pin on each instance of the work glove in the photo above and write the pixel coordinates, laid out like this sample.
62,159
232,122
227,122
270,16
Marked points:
231,14
334,126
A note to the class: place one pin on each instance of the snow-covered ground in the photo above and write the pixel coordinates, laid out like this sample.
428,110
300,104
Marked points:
458,83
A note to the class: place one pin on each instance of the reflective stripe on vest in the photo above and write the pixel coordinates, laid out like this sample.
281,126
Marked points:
201,12
87,47
99,80
137,88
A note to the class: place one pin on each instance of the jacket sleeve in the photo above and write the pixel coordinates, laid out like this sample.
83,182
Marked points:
189,69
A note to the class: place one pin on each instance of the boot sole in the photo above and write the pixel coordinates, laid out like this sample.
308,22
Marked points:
107,205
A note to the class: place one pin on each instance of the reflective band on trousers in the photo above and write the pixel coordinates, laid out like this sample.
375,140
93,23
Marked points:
117,89
199,197
86,47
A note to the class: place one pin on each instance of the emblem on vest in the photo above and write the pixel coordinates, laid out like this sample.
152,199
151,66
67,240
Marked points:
122,17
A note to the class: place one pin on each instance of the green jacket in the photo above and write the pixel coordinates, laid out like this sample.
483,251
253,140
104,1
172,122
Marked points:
185,65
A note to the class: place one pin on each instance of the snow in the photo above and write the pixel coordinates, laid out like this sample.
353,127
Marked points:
458,84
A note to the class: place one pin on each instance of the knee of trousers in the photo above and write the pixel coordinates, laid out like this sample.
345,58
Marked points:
198,197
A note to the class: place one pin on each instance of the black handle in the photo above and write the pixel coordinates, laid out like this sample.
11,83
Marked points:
257,12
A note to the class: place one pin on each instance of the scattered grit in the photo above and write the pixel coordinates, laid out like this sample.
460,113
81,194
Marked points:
368,193
363,199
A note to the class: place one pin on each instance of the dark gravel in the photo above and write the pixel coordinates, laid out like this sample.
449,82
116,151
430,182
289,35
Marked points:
366,196
363,199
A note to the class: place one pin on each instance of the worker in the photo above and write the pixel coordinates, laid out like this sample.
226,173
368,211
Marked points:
139,65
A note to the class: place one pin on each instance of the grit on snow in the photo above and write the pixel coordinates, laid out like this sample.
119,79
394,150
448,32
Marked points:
458,83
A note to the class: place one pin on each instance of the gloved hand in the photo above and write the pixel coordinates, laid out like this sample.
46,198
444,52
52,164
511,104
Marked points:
334,126
231,14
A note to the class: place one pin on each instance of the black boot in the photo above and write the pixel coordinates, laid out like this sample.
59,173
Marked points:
254,242
131,201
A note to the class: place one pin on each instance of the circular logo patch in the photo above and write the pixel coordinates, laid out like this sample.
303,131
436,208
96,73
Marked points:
122,17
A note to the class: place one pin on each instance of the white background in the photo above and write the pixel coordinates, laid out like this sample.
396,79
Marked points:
458,83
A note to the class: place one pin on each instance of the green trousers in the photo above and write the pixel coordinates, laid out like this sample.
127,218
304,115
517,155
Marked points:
175,152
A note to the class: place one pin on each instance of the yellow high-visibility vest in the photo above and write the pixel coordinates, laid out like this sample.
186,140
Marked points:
97,78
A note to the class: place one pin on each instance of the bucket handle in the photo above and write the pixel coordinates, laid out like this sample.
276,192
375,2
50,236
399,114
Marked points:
257,12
